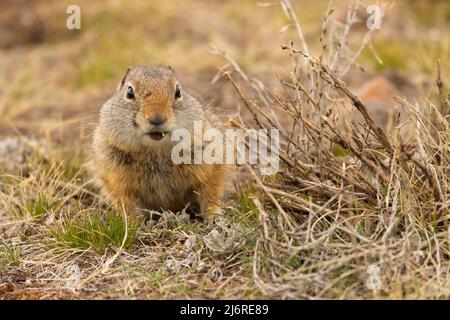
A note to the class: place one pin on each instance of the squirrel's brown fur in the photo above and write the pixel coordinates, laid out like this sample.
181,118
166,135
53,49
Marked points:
133,167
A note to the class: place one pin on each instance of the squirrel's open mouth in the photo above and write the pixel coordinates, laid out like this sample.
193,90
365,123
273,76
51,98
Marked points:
157,135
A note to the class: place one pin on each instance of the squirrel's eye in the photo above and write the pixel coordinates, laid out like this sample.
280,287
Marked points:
130,93
177,92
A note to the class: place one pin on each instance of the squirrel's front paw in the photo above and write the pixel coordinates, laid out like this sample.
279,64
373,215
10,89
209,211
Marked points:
211,213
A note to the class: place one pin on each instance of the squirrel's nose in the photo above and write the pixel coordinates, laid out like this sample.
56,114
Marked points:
157,119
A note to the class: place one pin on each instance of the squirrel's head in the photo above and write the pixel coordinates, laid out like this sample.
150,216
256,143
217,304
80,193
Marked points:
148,105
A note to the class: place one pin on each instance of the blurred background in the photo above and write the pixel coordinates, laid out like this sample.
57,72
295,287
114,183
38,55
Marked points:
53,80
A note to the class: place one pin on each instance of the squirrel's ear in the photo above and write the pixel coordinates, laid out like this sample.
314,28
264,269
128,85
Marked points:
122,82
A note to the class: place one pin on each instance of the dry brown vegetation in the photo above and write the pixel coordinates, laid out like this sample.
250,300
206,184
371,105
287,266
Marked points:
364,180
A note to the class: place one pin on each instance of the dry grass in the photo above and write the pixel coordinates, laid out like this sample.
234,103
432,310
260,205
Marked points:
349,197
382,199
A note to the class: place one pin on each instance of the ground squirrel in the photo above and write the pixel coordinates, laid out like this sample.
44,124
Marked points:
132,146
